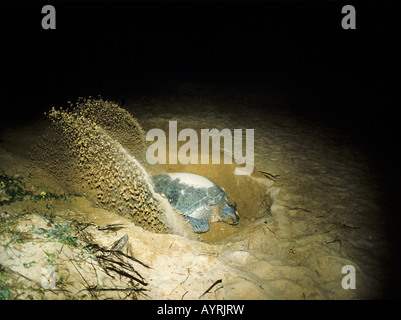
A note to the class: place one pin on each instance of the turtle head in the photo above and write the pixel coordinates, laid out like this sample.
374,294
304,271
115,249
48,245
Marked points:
229,214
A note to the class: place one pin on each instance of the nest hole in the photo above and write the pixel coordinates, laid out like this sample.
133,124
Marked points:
250,193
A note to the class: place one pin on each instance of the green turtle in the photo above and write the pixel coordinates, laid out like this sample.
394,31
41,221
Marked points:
198,199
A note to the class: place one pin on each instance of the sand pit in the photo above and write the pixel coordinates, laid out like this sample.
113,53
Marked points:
302,211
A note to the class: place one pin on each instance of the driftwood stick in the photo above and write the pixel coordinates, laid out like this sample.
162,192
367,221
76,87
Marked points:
125,274
270,176
211,287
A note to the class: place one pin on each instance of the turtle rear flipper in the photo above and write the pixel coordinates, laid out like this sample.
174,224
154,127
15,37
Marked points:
199,225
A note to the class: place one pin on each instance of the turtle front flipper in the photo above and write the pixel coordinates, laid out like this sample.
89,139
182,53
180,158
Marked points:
199,225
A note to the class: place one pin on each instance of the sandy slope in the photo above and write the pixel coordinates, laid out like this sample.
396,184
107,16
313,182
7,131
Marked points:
326,200
324,209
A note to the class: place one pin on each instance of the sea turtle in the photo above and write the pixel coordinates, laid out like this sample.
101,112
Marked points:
198,199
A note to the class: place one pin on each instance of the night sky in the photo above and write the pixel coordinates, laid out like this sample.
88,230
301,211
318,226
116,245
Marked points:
101,46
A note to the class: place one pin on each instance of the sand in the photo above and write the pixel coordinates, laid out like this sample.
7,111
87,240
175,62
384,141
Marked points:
310,207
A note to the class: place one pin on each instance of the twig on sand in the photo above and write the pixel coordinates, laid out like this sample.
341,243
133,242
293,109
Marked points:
211,287
336,240
83,278
111,227
96,288
349,227
122,265
182,281
270,176
184,295
112,260
120,243
298,208
126,274
264,206
95,247
269,230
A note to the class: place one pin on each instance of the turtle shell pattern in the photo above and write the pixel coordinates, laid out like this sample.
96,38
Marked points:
196,198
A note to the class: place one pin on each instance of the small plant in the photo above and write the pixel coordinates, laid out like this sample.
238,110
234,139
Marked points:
4,288
60,232
12,189
51,257
14,238
29,264
5,293
43,195
11,235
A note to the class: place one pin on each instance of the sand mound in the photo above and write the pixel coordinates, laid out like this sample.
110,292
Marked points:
93,146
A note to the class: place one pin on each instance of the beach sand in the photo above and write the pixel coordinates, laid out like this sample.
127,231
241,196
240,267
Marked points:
312,205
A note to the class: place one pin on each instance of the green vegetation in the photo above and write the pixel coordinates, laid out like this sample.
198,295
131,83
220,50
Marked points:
8,222
12,286
12,189
5,293
27,226
61,233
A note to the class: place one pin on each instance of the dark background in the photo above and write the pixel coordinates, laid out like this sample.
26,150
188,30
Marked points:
110,47
347,79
